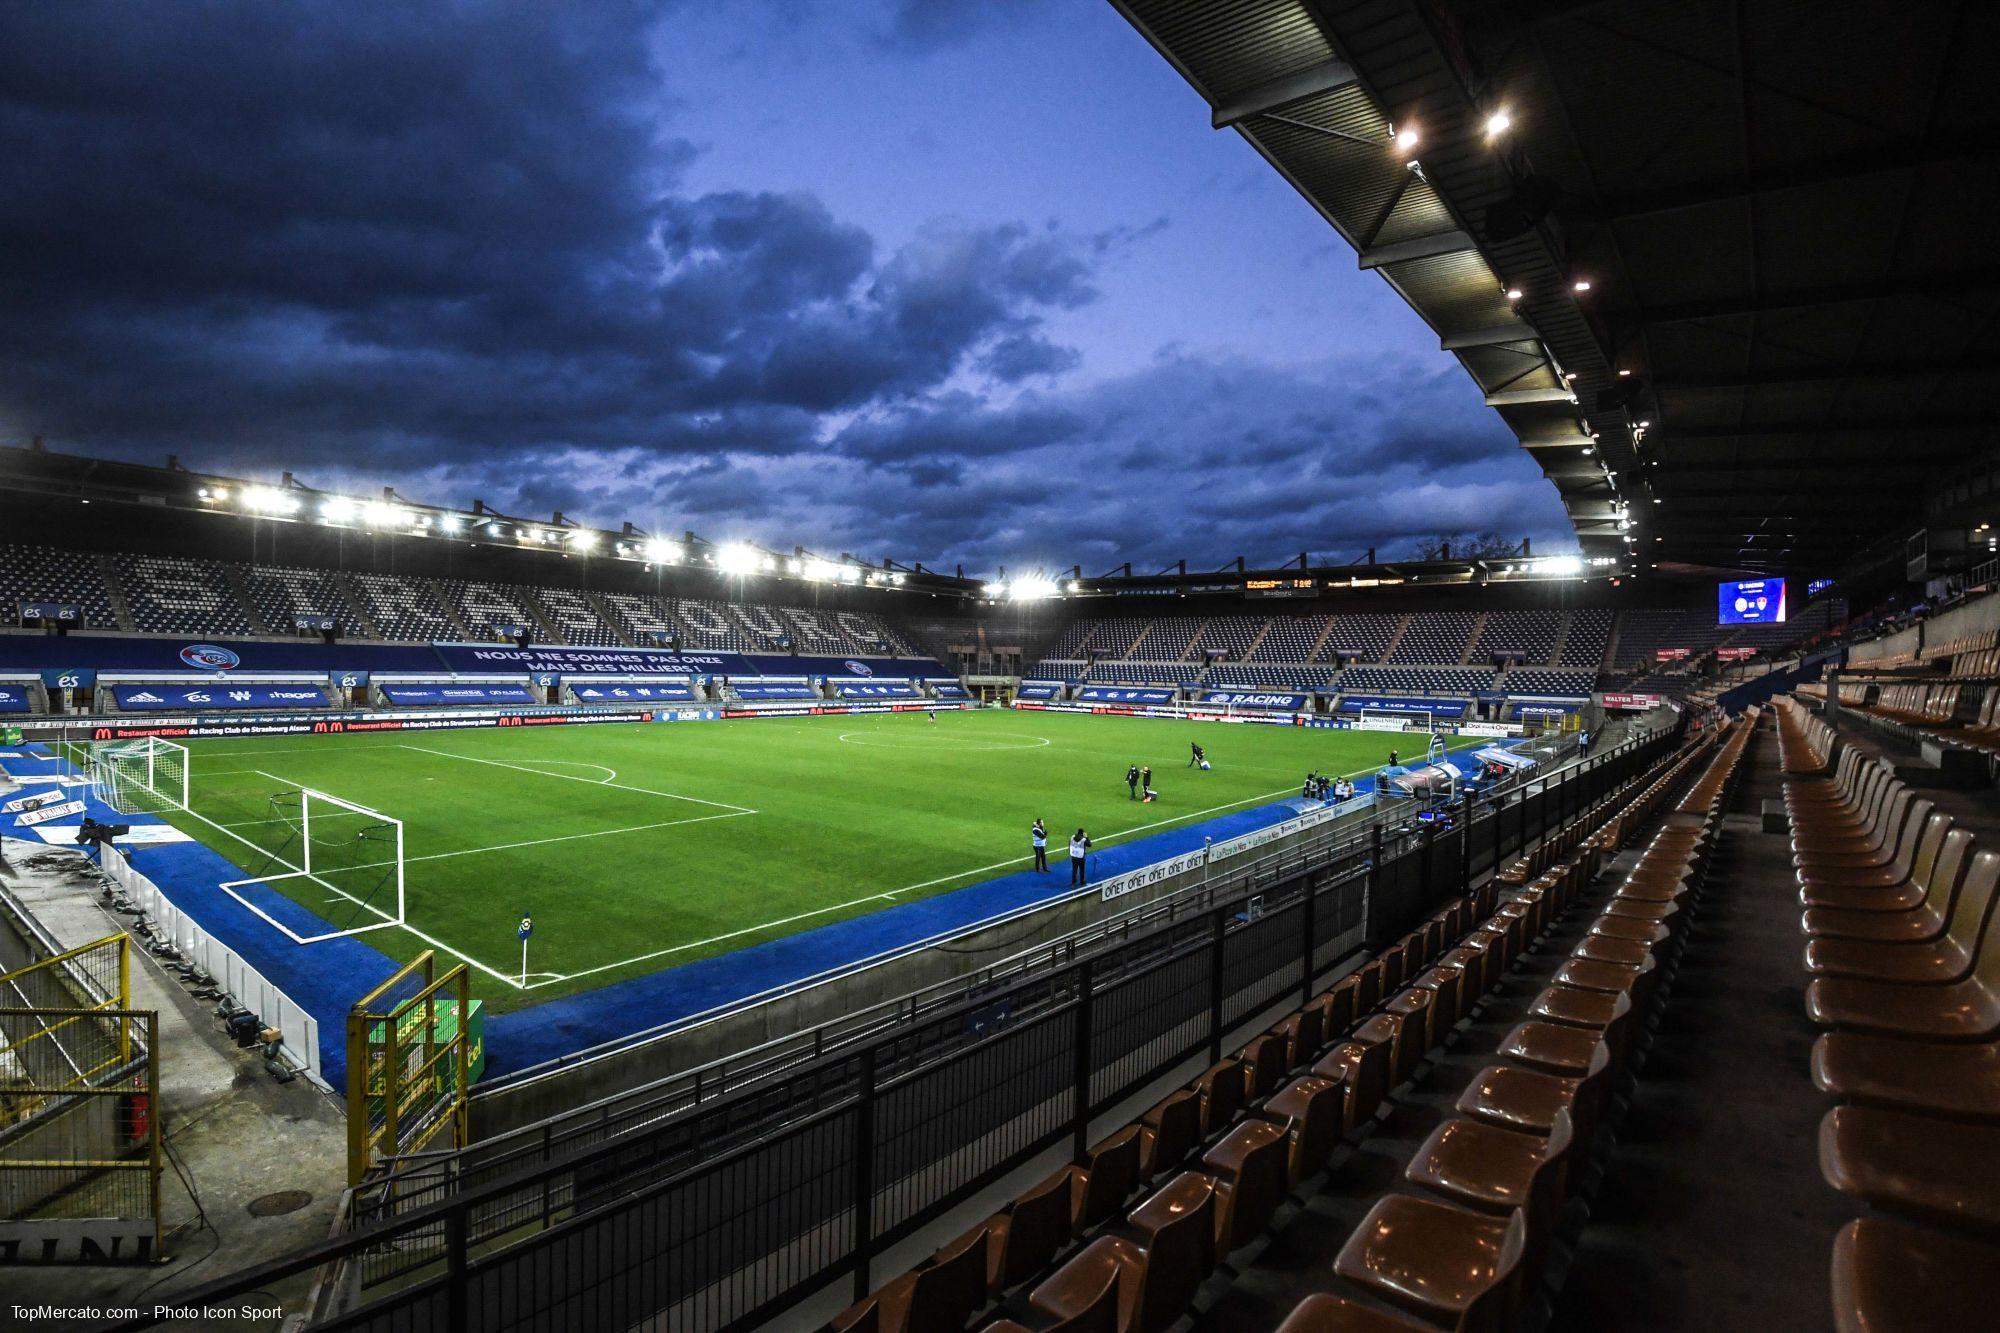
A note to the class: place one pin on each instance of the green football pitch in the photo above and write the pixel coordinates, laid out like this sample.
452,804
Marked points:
642,847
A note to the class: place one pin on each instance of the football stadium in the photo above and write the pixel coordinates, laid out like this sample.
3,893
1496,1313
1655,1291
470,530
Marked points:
906,667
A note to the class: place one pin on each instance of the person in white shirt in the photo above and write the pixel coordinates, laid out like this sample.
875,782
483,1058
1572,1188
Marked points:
1079,847
1038,834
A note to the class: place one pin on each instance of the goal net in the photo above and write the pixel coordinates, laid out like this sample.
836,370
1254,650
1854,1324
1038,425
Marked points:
342,862
135,777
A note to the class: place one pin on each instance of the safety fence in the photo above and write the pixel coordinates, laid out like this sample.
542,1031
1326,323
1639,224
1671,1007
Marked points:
234,976
737,1209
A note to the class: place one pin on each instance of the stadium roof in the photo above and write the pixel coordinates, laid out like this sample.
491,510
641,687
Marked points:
1781,210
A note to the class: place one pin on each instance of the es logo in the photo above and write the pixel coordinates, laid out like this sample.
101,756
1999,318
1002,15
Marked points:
859,668
210,657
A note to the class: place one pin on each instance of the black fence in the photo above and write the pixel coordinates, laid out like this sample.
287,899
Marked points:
741,1208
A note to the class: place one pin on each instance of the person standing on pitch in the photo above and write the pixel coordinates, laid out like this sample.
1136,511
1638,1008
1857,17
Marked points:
1038,834
1146,783
1079,847
1195,755
1132,780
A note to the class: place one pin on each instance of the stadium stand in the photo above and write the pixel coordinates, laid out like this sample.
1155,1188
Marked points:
575,617
1290,639
1144,673
1365,636
1167,639
486,608
1233,636
1266,674
1643,634
403,609
1530,636
1417,680
1585,641
1435,636
280,594
168,594
45,574
642,619
1549,682
1190,1194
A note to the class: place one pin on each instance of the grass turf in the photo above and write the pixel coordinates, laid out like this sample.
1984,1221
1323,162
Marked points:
645,846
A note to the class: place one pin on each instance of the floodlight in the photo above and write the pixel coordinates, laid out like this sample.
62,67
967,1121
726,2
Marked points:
270,500
1498,123
450,522
582,539
378,515
337,510
1566,566
661,551
736,558
1406,138
1032,589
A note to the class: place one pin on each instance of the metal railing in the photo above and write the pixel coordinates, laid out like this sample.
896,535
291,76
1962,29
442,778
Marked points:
624,1112
740,1207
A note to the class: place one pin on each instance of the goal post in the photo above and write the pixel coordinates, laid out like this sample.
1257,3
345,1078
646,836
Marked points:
318,841
146,775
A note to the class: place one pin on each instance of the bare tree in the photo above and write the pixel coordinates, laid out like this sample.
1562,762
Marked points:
1466,546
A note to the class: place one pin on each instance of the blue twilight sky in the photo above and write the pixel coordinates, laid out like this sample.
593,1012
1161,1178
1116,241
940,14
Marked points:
953,281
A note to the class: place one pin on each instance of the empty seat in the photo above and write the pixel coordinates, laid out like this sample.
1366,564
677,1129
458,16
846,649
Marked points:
1950,957
1249,1166
1024,1237
1913,1163
1891,1278
940,1294
1310,1111
1948,1079
1322,1312
1158,1266
1448,1264
1169,1132
1496,1170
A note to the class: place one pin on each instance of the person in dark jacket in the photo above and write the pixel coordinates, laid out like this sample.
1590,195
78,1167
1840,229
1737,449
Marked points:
1132,780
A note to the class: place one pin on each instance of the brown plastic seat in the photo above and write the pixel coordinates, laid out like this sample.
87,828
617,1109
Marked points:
1367,987
1864,838
1101,1185
1924,921
1591,974
1159,1267
1895,887
1362,1068
937,1296
1387,1031
1527,1100
1323,1312
1303,1033
1605,1012
1310,1111
1023,1239
1950,957
1265,1062
1555,1047
1478,965
1412,1008
1221,1089
1450,1265
1942,1078
1446,984
1496,1170
1169,1133
1249,1166
1967,1010
1605,949
1393,966
1340,1007
1919,1164
1097,1314
1630,928
1891,1278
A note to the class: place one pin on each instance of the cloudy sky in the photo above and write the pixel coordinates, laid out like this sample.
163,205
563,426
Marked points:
962,282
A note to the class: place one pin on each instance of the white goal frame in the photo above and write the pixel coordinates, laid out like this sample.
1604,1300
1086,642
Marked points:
151,764
308,796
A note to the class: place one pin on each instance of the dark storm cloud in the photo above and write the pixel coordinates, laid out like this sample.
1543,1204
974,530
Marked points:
453,247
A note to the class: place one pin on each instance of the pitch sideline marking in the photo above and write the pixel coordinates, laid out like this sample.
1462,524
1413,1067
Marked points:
567,777
891,894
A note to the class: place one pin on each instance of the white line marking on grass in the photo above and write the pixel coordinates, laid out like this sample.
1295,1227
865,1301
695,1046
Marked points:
564,837
568,777
865,741
890,895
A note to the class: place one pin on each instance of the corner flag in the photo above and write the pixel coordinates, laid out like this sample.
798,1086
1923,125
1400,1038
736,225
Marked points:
527,929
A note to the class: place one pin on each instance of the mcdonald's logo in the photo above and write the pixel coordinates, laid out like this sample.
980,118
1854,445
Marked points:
101,734
319,728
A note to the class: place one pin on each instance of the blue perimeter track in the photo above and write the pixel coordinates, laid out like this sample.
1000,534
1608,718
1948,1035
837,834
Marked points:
325,978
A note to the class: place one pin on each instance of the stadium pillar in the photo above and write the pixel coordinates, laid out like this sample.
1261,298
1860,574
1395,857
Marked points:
1465,844
1374,882
455,1242
1080,1127
864,1175
1218,922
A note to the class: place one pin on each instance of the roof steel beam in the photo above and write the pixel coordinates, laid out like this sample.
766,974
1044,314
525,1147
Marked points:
1282,92
1417,247
1524,397
1490,337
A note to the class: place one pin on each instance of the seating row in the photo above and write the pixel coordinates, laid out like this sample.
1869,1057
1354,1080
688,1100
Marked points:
1464,1242
1903,949
1223,1155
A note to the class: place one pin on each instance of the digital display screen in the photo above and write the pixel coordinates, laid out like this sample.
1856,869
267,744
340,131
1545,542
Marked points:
1750,602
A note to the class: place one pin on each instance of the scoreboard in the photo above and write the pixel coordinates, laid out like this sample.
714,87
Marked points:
1750,602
